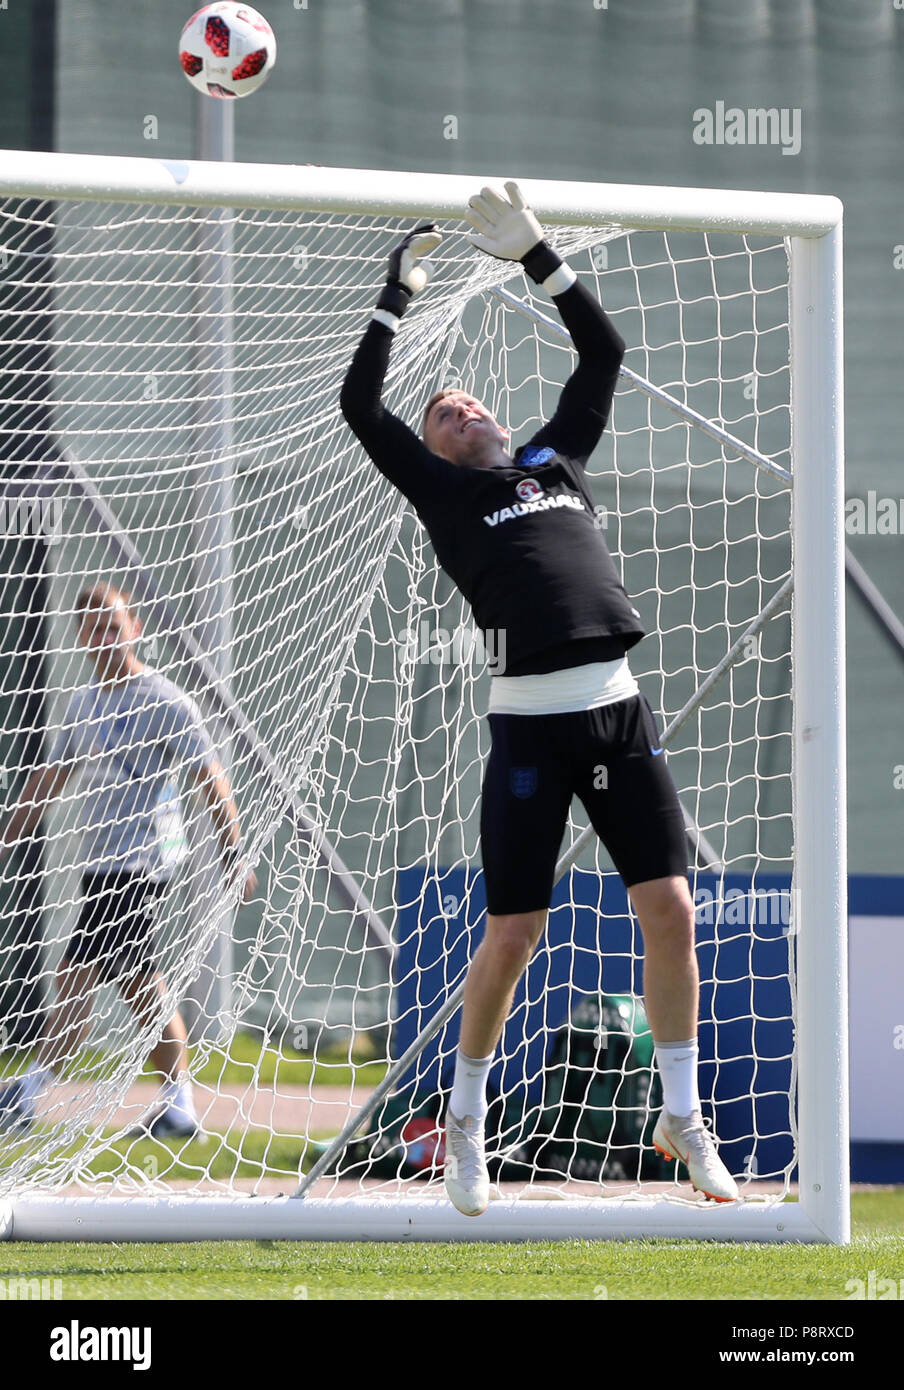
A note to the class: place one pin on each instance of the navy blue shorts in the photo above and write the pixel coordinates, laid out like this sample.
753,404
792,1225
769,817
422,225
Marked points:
610,758
116,926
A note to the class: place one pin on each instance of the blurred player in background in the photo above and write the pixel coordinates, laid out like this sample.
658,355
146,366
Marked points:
128,731
519,536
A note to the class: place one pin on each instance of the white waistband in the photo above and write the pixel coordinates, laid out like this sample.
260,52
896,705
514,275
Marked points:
562,692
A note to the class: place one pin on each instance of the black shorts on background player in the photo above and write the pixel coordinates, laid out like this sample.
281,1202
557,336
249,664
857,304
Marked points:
116,925
608,757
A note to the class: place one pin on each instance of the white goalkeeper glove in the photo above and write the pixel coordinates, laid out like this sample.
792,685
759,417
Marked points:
407,264
408,270
509,230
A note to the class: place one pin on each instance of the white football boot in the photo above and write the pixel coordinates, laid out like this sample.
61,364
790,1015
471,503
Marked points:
686,1137
466,1179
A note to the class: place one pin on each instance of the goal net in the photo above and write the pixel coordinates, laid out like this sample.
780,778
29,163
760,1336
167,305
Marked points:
171,372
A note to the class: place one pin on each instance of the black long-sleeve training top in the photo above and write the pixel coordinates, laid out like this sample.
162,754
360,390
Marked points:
521,541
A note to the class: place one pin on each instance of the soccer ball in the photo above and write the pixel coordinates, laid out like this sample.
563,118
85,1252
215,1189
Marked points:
227,50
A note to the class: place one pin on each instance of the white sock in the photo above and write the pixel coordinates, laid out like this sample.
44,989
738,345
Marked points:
469,1089
180,1100
34,1079
677,1062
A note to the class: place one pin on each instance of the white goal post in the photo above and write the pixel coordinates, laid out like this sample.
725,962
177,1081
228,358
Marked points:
737,327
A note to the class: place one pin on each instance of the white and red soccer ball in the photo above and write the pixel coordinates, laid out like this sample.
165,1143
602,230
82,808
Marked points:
227,50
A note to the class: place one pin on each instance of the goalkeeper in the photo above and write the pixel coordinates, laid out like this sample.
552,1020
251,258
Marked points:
518,535
128,731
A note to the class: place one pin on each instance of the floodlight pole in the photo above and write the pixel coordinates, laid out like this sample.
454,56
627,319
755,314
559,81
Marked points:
208,1004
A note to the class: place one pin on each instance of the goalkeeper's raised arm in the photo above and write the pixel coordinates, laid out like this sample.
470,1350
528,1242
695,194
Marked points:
394,448
510,231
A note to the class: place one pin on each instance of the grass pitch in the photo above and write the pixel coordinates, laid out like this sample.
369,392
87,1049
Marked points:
573,1270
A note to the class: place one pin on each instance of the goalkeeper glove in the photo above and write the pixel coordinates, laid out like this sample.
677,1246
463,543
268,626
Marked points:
407,271
509,230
